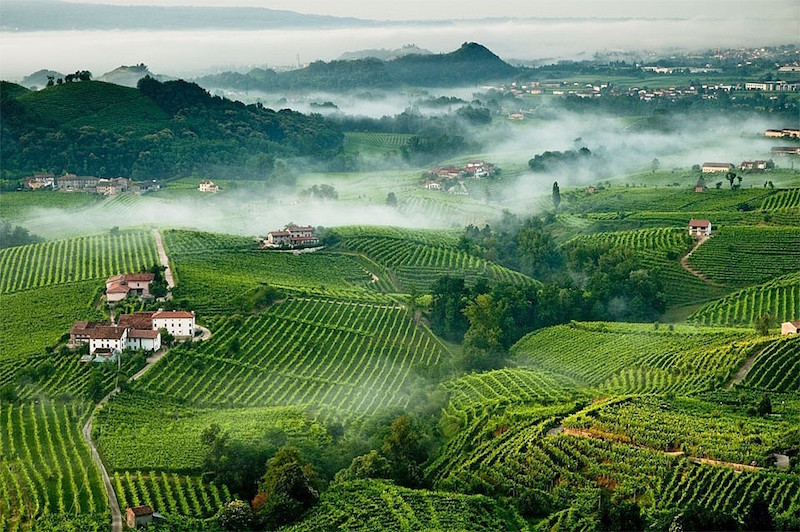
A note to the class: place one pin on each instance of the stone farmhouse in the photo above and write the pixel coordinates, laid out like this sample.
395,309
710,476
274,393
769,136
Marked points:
790,327
74,183
207,186
710,168
780,133
118,287
112,187
293,236
698,228
753,165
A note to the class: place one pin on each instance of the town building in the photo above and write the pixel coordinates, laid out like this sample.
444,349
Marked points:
118,287
753,165
716,167
38,181
73,183
139,516
292,236
790,327
699,227
178,323
781,151
785,132
478,169
207,186
112,187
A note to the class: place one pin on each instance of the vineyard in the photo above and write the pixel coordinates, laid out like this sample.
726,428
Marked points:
170,494
126,441
780,298
658,249
743,256
45,466
420,259
75,259
636,358
782,200
351,357
697,428
214,272
372,143
777,367
374,505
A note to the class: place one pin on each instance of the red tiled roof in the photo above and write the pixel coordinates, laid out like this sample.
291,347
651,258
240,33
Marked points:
699,223
139,511
84,327
107,332
173,314
280,233
118,288
137,320
143,333
139,277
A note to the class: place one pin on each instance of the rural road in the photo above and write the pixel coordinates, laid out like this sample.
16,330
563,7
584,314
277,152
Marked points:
113,503
162,257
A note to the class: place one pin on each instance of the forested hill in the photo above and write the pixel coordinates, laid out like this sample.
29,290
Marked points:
471,63
157,130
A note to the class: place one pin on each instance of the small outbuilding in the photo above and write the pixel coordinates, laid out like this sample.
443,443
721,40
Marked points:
139,516
790,327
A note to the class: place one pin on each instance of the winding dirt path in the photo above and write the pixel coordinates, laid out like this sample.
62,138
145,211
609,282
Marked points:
743,371
685,263
113,503
162,257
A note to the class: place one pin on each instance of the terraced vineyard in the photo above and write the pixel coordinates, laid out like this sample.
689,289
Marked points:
743,256
417,261
788,199
351,357
697,428
45,466
628,358
779,297
777,367
169,494
372,142
379,505
75,259
126,442
659,249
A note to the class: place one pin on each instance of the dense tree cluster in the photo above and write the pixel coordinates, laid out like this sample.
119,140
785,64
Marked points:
16,236
199,134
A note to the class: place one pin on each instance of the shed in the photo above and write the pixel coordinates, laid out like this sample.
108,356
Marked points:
139,516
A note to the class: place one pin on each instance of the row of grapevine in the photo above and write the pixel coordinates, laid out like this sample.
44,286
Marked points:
780,298
782,200
743,256
45,466
170,493
629,358
75,259
777,367
125,436
355,357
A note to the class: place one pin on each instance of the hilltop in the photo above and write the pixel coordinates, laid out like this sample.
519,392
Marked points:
129,76
471,63
155,131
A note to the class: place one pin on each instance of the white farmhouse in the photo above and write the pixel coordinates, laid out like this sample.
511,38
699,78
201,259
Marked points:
107,339
790,327
699,227
710,168
179,323
207,186
144,339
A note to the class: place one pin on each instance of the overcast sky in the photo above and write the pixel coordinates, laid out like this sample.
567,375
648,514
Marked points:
780,10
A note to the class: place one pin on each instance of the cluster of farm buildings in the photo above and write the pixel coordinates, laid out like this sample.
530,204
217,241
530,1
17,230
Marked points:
140,330
450,178
293,236
88,184
118,287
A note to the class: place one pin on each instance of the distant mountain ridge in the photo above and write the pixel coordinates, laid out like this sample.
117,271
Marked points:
385,54
472,63
129,76
50,15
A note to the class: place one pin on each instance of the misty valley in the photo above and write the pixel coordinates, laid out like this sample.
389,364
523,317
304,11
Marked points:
408,287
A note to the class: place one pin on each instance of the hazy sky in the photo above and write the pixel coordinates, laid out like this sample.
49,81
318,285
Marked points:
779,10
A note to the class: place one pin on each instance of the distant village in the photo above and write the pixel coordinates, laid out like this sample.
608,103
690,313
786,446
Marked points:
89,184
450,179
